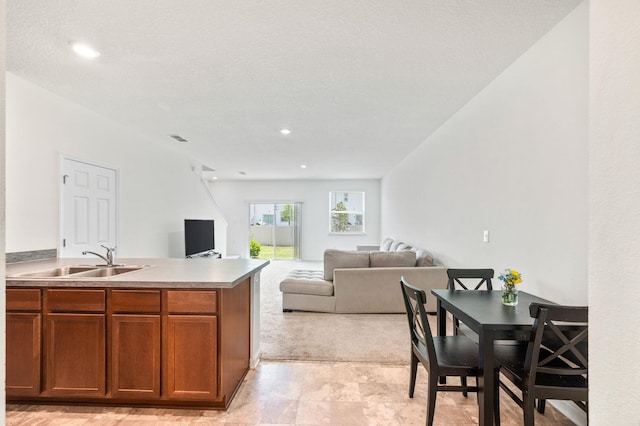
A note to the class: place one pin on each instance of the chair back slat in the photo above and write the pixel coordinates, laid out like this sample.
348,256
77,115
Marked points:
470,279
415,300
569,346
559,342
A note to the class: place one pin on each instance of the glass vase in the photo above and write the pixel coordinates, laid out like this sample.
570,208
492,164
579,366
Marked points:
509,295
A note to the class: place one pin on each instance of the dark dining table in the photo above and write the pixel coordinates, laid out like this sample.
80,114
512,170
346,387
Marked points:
483,312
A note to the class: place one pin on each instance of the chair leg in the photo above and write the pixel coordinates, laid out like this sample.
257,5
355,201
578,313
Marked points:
528,406
431,401
496,398
414,372
541,405
463,382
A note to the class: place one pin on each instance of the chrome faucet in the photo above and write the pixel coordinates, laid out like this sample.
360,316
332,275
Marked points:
108,258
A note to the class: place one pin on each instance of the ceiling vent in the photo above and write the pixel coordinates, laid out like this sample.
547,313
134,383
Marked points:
179,138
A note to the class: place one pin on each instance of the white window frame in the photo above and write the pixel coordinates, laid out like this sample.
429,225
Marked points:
355,209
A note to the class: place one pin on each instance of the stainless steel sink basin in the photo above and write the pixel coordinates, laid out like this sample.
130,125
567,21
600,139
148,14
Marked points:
55,272
80,272
108,271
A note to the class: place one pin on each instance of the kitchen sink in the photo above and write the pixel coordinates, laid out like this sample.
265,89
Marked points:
80,272
106,271
55,272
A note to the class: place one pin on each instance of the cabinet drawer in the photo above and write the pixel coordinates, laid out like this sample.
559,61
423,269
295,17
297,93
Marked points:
192,302
23,299
124,301
75,300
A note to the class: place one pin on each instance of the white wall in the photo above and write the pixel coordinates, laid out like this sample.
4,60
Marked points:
234,197
512,161
158,188
614,206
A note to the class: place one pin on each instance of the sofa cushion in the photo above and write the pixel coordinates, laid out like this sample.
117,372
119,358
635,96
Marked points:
301,281
386,243
424,258
381,259
343,259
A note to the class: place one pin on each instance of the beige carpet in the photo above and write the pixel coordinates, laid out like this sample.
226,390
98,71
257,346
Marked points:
308,336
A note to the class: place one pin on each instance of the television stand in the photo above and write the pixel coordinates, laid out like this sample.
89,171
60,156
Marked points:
211,253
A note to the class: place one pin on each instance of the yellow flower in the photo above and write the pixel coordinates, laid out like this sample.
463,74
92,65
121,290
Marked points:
511,277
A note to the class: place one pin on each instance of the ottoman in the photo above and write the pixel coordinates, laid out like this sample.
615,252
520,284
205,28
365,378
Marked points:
307,290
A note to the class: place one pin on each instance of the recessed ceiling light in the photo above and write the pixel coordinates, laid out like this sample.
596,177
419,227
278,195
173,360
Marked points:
213,178
84,50
303,166
285,131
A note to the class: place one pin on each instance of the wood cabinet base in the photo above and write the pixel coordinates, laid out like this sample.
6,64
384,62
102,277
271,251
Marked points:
159,347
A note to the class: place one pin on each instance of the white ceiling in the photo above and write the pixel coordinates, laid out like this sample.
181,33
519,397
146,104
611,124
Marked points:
360,83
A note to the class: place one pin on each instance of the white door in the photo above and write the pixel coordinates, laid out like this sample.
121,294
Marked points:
88,208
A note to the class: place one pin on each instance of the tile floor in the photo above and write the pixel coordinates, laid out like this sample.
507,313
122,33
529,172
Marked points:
300,393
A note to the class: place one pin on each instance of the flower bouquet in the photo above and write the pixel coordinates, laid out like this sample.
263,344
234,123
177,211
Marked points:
510,278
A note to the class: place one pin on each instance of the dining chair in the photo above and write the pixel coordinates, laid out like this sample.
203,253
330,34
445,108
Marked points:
554,364
468,279
442,356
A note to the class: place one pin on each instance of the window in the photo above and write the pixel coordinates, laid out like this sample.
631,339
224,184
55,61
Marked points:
346,212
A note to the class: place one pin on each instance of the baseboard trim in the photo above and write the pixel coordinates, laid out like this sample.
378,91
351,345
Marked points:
571,410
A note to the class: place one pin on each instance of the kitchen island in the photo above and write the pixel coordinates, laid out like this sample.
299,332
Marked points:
145,332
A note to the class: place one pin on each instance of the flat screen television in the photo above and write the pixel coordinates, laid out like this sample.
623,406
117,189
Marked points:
199,237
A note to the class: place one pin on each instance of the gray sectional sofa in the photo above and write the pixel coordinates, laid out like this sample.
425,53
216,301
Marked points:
358,281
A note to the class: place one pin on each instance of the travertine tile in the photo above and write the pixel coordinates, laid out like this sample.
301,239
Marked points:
345,392
313,413
395,414
279,412
347,413
383,392
318,390
298,393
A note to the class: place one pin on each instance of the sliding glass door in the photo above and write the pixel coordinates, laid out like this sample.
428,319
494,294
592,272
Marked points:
274,230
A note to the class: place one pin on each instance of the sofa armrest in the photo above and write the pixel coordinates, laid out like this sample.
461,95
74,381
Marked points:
377,290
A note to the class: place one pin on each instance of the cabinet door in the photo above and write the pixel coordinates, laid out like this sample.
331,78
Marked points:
75,355
23,354
135,356
191,368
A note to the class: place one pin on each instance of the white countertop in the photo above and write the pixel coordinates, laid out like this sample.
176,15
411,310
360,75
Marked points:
162,272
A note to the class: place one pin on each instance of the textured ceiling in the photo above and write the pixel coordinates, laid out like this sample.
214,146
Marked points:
360,83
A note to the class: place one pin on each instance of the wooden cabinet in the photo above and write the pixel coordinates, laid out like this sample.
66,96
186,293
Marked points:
24,334
135,344
191,345
74,353
191,361
74,343
151,347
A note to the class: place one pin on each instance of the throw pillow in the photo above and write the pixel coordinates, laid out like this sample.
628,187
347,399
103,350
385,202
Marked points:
403,246
386,243
381,259
394,245
424,258
343,259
